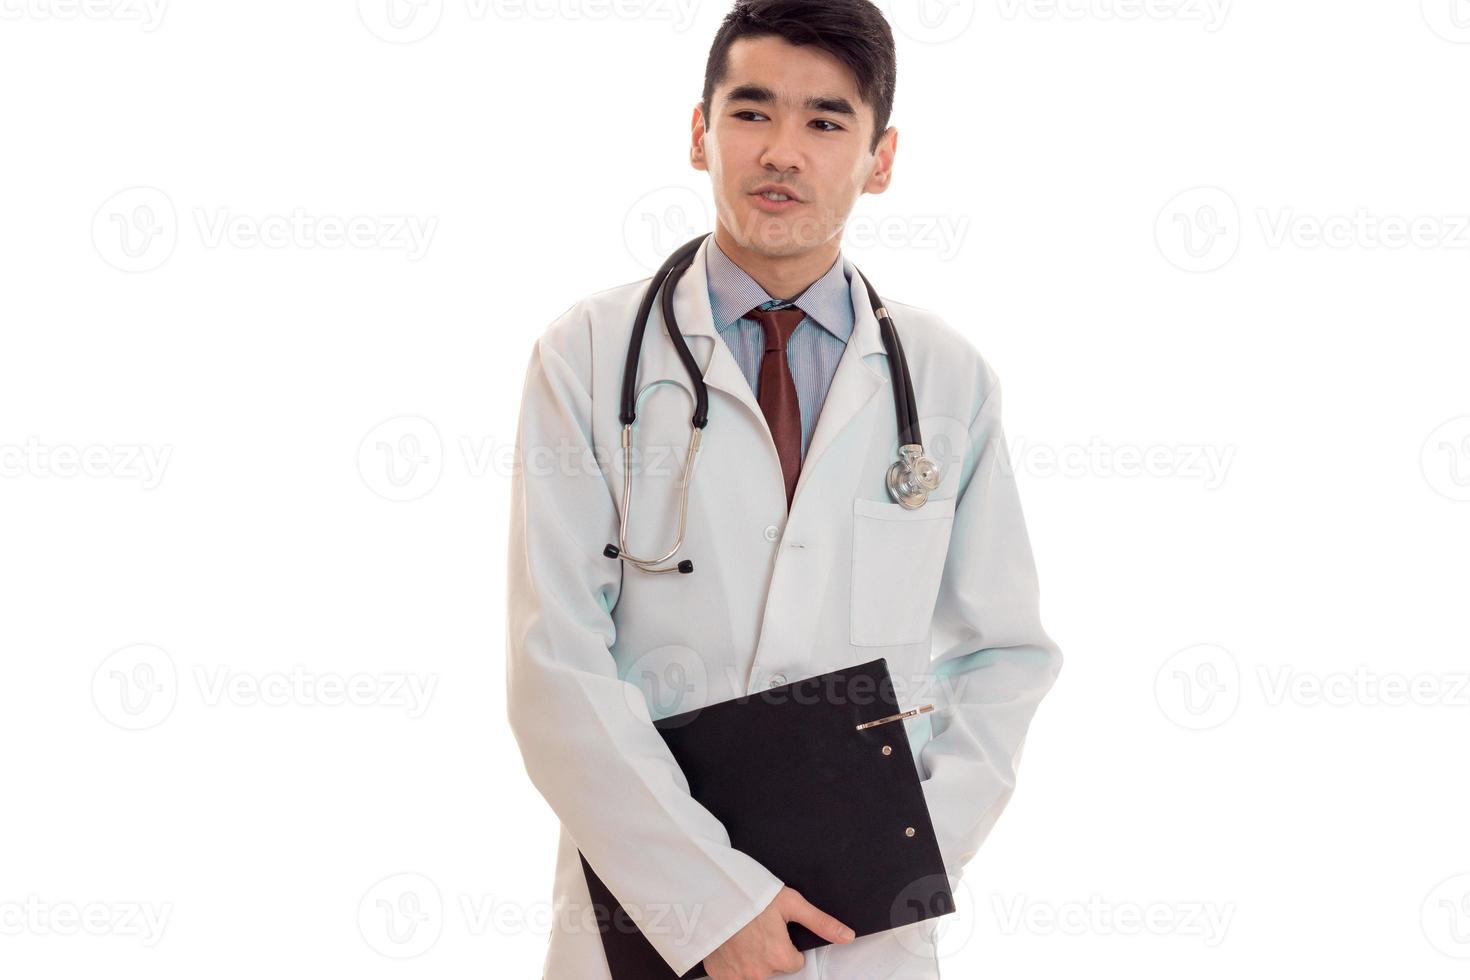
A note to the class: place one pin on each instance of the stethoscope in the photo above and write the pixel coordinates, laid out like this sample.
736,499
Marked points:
910,479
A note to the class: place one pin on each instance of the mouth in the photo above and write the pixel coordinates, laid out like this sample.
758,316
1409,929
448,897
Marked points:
775,198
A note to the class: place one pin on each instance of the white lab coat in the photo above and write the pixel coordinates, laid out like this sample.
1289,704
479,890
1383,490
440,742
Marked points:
597,648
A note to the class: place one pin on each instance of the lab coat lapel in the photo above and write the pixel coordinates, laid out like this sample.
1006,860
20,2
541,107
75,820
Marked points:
660,364
857,380
692,310
854,384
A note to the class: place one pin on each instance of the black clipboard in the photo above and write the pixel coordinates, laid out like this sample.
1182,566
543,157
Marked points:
816,780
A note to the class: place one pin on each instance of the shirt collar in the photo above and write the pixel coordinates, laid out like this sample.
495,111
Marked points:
733,293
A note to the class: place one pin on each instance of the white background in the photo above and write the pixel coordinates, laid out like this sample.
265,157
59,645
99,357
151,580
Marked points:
245,461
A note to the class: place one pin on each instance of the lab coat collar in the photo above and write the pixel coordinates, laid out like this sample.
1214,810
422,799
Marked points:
732,292
855,383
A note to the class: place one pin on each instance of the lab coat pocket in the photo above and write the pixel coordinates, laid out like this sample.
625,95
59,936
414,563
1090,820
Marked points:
897,560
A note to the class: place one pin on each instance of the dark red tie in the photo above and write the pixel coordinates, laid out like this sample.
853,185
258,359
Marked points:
777,392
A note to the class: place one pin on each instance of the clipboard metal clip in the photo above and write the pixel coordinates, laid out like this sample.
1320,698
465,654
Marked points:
902,714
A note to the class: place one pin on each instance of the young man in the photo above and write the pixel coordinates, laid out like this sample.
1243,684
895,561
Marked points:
803,563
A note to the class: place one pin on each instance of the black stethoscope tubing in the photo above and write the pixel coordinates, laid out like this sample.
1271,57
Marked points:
668,275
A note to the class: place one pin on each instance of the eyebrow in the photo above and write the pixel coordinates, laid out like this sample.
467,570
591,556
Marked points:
761,95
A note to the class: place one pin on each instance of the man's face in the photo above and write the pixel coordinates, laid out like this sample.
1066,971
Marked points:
788,115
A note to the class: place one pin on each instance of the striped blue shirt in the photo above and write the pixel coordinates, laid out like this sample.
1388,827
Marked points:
816,344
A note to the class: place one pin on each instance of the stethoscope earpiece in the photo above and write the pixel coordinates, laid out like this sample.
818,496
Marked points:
910,480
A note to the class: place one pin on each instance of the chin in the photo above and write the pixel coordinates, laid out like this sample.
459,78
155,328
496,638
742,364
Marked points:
779,235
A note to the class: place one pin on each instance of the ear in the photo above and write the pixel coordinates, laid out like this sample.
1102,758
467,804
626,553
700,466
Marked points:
696,140
882,174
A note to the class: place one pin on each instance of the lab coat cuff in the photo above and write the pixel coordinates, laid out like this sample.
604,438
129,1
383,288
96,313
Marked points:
691,955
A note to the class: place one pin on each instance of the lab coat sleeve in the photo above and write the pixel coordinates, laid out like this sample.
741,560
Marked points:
585,735
991,660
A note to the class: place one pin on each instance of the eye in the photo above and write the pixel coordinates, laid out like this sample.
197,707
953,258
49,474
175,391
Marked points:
835,128
748,112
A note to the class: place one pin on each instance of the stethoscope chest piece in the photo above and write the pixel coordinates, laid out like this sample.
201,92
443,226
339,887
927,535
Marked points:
912,477
910,480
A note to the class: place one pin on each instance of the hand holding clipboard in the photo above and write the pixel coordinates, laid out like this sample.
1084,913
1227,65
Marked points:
816,780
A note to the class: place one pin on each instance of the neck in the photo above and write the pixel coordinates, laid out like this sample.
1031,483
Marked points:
784,277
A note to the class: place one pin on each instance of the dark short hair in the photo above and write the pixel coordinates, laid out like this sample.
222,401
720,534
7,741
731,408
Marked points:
853,31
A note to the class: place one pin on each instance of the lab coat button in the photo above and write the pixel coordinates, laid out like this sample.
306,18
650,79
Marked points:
772,532
777,680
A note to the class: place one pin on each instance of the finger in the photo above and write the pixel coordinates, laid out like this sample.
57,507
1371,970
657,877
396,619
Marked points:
819,922
791,960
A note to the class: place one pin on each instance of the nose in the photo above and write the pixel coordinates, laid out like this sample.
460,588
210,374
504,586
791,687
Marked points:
782,153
